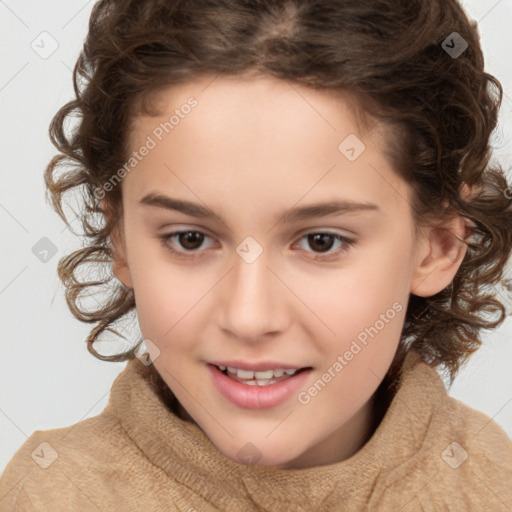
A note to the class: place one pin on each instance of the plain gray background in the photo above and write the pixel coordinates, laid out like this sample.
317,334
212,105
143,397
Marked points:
48,378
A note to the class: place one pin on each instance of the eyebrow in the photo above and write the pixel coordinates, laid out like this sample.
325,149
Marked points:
317,210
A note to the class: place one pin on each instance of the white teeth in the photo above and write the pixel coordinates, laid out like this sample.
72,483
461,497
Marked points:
260,382
262,376
265,382
245,374
267,374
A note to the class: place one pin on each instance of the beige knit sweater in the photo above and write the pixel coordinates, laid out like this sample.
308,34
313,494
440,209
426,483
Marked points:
430,453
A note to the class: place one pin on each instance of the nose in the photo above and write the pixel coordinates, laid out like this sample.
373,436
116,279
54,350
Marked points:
254,301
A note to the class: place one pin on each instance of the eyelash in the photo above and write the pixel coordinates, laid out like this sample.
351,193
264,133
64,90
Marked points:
348,243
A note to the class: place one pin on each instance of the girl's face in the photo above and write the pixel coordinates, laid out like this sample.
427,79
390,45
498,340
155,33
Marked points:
263,280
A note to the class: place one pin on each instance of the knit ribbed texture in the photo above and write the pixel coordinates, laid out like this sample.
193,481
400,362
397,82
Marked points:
137,455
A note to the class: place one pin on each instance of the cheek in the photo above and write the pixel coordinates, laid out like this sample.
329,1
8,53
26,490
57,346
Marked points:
160,297
363,303
356,294
169,302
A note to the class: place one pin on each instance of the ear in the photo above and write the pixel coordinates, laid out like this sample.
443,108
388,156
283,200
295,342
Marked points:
120,266
440,252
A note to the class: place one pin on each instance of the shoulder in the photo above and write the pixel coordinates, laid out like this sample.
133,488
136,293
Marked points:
479,431
477,443
473,458
59,466
464,464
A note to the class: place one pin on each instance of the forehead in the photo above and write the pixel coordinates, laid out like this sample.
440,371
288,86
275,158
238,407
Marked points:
263,112
260,136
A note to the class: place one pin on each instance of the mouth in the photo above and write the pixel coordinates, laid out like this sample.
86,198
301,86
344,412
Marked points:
261,389
259,378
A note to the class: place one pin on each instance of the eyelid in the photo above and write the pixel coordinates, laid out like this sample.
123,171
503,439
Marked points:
347,241
335,231
346,233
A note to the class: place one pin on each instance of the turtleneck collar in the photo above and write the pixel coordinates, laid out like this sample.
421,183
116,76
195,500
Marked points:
184,452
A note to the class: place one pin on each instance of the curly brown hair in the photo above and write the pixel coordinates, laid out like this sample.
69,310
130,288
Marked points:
391,55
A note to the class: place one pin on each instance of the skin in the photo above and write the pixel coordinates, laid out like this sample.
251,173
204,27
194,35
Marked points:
249,150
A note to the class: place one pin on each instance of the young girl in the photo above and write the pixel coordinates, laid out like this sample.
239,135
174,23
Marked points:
295,198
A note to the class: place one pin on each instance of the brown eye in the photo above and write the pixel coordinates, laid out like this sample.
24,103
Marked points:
321,241
184,243
188,244
190,239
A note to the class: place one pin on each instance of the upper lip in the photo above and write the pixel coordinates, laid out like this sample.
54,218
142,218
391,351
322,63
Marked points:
257,367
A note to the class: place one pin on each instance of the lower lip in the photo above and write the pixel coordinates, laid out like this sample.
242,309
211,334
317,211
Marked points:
256,397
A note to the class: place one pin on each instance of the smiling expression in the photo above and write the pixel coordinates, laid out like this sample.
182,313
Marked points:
292,248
